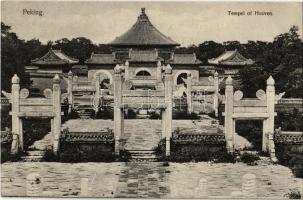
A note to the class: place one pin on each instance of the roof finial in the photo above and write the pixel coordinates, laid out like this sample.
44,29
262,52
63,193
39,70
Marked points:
142,10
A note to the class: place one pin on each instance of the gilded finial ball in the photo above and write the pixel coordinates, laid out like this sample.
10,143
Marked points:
143,10
229,80
270,81
56,79
15,79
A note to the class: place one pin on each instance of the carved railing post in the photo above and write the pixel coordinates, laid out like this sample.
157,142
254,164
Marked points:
169,106
188,94
228,119
216,94
70,90
57,113
126,71
163,122
118,113
159,71
16,121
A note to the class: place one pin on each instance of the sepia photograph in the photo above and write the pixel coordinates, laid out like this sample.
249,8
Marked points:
152,99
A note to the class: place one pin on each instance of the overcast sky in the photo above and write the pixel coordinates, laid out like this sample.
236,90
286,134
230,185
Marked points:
186,23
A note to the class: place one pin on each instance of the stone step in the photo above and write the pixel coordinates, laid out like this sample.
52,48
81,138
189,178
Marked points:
32,158
36,153
142,155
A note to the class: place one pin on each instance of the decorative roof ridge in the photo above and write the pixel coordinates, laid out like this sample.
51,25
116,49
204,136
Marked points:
55,54
149,50
103,54
227,55
185,54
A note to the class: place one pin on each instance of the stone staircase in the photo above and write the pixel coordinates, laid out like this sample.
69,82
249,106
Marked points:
142,155
84,111
141,138
36,151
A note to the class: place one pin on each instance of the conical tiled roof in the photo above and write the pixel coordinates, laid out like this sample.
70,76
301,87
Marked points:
143,33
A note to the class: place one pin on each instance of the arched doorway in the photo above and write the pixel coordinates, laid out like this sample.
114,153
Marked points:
143,73
181,78
104,81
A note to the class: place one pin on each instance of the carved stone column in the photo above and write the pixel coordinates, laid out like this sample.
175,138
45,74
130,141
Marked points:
70,90
118,113
15,100
228,119
270,102
57,113
169,106
216,94
188,94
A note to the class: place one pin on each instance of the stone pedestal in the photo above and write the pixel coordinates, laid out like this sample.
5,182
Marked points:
249,185
33,185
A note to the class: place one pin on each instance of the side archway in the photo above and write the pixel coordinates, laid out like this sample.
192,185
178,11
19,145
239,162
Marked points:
179,75
106,78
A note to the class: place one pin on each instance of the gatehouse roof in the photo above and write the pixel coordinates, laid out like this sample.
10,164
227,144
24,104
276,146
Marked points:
231,58
144,56
101,59
54,57
184,59
143,33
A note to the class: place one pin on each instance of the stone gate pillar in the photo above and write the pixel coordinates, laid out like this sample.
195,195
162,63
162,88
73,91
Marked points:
188,94
57,113
70,91
16,121
118,113
228,119
270,121
216,95
159,71
169,107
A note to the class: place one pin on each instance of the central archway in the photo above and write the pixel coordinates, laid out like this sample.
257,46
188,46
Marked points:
143,73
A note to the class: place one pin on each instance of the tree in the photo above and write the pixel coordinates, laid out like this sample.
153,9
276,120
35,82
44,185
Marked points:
282,58
13,58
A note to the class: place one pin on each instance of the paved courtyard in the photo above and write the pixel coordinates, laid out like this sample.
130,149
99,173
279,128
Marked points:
178,180
144,179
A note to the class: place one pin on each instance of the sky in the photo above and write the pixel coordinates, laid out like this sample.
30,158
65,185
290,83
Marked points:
185,22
